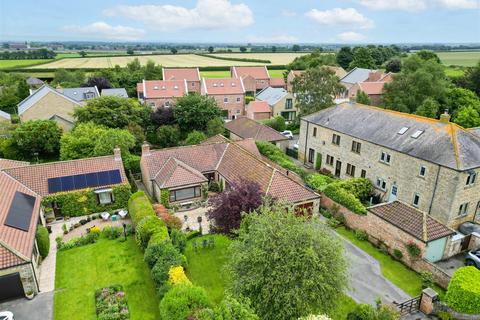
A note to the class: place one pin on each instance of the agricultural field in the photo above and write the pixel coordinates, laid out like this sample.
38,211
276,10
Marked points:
226,74
170,60
459,58
5,64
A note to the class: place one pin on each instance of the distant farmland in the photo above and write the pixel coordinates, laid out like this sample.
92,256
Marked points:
459,58
170,60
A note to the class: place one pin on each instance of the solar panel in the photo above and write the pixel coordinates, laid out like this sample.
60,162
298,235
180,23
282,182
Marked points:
80,181
67,183
54,185
103,178
115,176
92,180
20,212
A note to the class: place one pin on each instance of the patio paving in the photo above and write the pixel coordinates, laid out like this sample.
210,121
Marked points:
190,222
452,264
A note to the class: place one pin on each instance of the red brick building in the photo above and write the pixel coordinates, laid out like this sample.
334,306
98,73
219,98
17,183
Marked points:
255,78
161,93
229,94
191,75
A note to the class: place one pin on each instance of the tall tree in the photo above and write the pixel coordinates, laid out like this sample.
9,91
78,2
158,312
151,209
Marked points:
243,49
428,55
37,138
362,58
100,82
226,208
429,108
471,79
344,57
394,65
312,60
211,49
287,266
193,112
458,98
168,136
363,98
468,117
315,90
162,116
214,127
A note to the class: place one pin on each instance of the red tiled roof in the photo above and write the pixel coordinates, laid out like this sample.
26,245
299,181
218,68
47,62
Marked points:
256,72
372,88
234,161
277,82
249,128
249,145
163,88
15,241
411,220
8,164
36,176
176,173
189,74
258,106
222,86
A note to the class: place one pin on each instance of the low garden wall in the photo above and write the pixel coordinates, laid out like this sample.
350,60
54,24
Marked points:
386,236
439,307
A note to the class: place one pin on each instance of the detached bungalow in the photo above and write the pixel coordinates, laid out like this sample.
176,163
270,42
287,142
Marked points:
254,78
191,75
229,94
161,93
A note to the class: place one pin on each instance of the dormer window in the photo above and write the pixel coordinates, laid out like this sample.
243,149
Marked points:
215,85
89,95
403,130
417,134
175,87
164,87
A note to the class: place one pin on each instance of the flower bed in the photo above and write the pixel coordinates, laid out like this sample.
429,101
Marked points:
111,303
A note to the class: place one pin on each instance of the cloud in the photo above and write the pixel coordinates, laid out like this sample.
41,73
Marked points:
282,38
106,31
207,14
350,36
460,4
403,5
348,17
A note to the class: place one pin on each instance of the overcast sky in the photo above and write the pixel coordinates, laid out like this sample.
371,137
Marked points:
241,21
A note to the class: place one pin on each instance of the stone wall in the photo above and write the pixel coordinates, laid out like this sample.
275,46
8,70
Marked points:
441,307
384,234
27,276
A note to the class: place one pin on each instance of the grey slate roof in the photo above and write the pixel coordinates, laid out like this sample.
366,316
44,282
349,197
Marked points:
31,81
78,94
445,144
356,75
475,131
118,92
271,95
4,115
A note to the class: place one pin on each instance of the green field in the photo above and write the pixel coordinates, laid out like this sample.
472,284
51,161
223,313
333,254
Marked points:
5,64
276,73
83,270
459,58
226,74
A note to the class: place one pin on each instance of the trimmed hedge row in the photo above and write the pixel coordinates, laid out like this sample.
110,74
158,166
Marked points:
43,241
276,155
463,294
335,192
233,58
139,207
149,227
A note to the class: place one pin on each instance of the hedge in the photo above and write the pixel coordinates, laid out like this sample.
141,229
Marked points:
43,241
139,207
233,58
146,228
83,202
169,257
463,294
182,301
318,182
335,192
276,155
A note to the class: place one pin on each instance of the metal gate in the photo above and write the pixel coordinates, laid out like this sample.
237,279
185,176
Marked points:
409,306
11,286
292,153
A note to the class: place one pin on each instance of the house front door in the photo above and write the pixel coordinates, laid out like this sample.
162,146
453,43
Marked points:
338,168
393,193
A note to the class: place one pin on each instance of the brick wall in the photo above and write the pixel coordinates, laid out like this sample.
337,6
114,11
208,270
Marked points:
383,233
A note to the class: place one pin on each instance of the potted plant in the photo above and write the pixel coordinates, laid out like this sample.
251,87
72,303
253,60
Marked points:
64,228
29,294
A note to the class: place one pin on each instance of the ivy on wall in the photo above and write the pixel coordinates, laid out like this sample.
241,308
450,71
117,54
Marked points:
165,197
83,202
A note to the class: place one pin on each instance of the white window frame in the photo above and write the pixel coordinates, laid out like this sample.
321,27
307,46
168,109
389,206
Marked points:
225,100
416,197
381,184
105,196
385,157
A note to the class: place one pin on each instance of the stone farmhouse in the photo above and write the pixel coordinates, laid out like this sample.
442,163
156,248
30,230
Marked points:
23,188
254,78
183,173
431,164
229,93
191,75
161,93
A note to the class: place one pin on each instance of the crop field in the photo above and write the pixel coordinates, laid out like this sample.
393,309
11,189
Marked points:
226,74
20,63
459,58
170,60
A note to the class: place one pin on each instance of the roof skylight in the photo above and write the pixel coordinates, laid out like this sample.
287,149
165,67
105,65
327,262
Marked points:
417,134
403,130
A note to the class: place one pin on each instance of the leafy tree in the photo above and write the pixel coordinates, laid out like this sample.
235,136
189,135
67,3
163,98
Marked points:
23,90
9,100
174,50
130,51
312,60
362,58
68,79
195,137
274,49
90,140
468,117
138,133
428,55
418,80
289,266
277,123
82,53
429,108
168,136
193,112
226,208
214,127
100,82
162,116
457,98
112,112
152,71
345,57
295,48
363,98
229,309
368,312
243,49
394,65
315,90
37,136
471,79
211,49
182,301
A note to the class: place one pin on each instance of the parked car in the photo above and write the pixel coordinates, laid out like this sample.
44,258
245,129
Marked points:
288,134
6,315
473,259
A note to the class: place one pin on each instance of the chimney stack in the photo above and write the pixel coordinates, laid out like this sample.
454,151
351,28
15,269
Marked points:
145,149
117,153
445,117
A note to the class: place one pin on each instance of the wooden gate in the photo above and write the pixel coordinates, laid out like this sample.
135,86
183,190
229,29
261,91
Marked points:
409,306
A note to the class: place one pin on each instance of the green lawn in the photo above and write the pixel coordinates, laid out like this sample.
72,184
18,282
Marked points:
276,73
21,63
205,266
215,74
83,270
395,271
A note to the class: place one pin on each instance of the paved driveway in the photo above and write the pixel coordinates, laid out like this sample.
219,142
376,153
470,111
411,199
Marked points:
40,308
366,279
